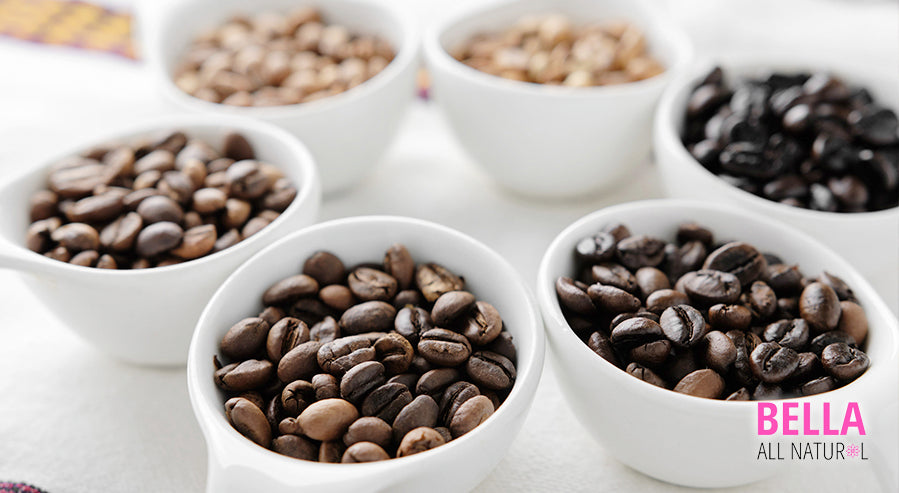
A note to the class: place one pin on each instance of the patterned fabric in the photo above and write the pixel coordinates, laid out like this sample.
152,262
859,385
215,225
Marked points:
19,488
76,24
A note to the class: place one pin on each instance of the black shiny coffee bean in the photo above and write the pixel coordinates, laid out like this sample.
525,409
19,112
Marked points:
844,362
574,296
662,299
772,363
711,287
595,249
718,351
641,251
740,259
820,307
612,274
785,280
601,345
793,334
683,325
730,317
411,322
821,341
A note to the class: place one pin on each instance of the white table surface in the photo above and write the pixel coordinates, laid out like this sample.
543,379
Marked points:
73,420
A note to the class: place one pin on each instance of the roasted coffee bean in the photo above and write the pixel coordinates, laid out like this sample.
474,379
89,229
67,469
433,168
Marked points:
363,452
325,331
768,392
369,429
683,325
483,325
296,447
650,280
595,249
701,383
434,382
785,280
453,397
710,287
272,314
772,363
662,299
394,352
286,334
504,345
419,440
300,362
853,321
612,274
809,367
410,380
574,297
740,259
76,177
422,411
297,396
249,421
641,251
450,306
43,205
237,147
741,394
601,345
360,380
290,289
635,332
470,415
325,268
612,300
158,238
325,386
197,241
371,316
819,342
645,374
762,300
106,261
411,322
843,291
245,338
820,307
688,232
247,375
372,285
399,264
86,258
491,370
337,297
443,347
745,342
338,356
420,365
96,208
730,317
76,237
408,297
434,280
331,451
386,401
719,351
844,362
327,419
791,334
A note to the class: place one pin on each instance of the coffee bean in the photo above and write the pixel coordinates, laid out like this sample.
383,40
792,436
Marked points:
290,289
197,241
370,284
394,352
688,232
76,237
410,380
453,397
245,338
86,258
650,280
662,299
839,286
809,367
719,351
683,325
422,411
740,259
399,264
331,451
711,287
762,300
616,275
701,383
601,345
297,396
296,447
641,251
768,392
325,331
386,401
249,421
420,440
360,380
820,307
635,332
76,177
434,280
491,370
443,347
247,375
325,268
844,362
408,297
595,249
327,419
451,306
730,317
158,238
853,321
286,334
300,362
827,338
745,342
470,415
483,325
237,147
612,300
772,363
434,382
574,297
818,386
369,429
411,322
504,345
364,452
740,395
791,334
645,374
338,356
785,280
325,386
371,316
43,205
248,181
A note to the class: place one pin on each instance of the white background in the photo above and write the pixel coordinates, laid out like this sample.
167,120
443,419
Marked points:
72,420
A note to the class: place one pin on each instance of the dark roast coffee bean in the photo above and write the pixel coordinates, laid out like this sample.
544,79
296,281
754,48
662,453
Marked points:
617,230
635,332
408,297
601,345
411,322
821,341
394,352
372,285
701,383
325,268
688,232
422,411
433,382
290,289
730,317
399,264
443,347
491,370
369,429
762,300
641,251
791,334
785,280
842,290
818,386
573,297
450,306
296,396
360,380
645,374
483,325
875,125
719,351
683,325
245,338
768,392
662,299
386,401
453,397
434,280
249,421
650,280
772,363
710,287
325,331
740,259
745,342
809,367
853,321
612,300
371,316
595,249
325,386
820,307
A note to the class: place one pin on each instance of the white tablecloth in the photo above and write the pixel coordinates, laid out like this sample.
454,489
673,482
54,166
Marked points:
72,420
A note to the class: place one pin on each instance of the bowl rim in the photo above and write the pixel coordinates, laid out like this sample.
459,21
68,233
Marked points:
308,192
406,55
212,421
556,324
437,56
668,113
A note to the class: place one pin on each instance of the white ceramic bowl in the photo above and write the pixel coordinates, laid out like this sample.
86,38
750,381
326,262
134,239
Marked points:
689,440
869,240
237,464
543,140
346,133
147,316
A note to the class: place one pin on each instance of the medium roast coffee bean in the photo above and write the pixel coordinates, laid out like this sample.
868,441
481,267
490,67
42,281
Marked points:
422,411
574,297
719,351
411,322
372,285
661,300
363,452
394,352
296,447
325,268
645,374
433,382
483,325
453,397
701,383
491,370
450,306
290,289
853,321
386,401
730,317
371,316
360,380
300,362
245,338
612,299
338,356
443,347
419,440
434,280
327,419
325,386
399,264
297,396
249,420
470,414
711,287
286,334
369,429
247,375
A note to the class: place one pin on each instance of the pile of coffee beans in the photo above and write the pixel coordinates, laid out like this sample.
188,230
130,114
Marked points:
805,140
274,58
720,321
161,201
551,49
364,364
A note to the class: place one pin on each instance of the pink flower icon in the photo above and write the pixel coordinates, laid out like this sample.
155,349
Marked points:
853,451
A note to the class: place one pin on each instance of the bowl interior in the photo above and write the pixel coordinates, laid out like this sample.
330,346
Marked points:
662,41
357,240
660,218
672,110
272,145
184,22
